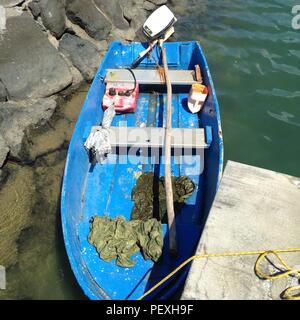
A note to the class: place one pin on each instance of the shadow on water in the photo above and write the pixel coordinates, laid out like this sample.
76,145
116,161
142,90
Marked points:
69,282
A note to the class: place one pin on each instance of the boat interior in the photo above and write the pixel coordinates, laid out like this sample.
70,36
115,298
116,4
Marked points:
105,189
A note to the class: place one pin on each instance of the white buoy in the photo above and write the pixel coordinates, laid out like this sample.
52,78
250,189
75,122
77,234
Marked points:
197,97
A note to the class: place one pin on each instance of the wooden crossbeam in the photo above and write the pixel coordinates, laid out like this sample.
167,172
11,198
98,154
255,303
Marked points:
152,137
152,76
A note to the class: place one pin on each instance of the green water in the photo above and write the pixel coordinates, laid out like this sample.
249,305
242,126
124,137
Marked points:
253,54
30,201
254,57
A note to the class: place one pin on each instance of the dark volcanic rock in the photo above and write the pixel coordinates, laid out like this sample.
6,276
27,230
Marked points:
3,92
149,6
113,11
10,3
3,151
83,54
16,121
53,16
30,67
86,15
159,2
34,8
135,13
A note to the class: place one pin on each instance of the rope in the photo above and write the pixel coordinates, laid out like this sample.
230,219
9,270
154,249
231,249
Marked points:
291,293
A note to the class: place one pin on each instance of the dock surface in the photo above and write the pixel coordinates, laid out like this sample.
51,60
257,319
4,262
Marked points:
255,209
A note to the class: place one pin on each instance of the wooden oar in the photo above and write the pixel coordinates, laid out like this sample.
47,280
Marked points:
168,180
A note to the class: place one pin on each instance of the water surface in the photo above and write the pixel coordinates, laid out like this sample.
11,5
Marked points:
253,54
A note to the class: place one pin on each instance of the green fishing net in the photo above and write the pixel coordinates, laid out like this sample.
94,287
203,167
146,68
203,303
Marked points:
120,239
149,196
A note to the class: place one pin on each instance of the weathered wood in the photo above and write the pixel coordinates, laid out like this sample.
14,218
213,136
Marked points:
168,180
152,137
255,209
198,73
151,76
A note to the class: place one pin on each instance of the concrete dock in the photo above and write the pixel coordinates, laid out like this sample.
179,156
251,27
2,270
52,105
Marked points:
255,209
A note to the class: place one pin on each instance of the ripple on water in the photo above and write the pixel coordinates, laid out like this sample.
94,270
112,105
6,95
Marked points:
284,117
253,54
276,92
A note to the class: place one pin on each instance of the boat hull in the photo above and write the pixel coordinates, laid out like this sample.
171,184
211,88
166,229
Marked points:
106,189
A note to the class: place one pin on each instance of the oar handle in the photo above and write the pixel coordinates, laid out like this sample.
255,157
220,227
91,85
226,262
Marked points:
168,179
136,62
142,54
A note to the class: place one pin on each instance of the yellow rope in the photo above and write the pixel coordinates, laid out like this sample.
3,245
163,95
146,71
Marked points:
292,293
289,294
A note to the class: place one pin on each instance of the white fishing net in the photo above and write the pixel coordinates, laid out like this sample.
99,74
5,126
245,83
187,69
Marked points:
98,142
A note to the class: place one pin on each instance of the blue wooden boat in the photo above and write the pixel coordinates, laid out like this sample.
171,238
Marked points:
105,189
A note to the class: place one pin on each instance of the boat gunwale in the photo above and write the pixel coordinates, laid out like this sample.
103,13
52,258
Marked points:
81,278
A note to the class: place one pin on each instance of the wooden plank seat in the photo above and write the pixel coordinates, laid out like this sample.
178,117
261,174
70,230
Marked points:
152,137
152,76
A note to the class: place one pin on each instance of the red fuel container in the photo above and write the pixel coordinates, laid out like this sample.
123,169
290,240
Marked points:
122,96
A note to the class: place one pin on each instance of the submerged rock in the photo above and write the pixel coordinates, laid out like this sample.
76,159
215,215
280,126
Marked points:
18,118
149,196
16,203
87,16
32,246
84,55
38,70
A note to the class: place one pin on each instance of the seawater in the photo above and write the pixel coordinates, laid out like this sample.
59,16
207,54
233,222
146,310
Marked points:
253,53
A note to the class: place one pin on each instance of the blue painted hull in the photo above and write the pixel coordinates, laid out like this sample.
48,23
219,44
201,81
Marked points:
105,189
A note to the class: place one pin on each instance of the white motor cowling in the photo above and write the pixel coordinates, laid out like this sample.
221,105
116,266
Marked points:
160,21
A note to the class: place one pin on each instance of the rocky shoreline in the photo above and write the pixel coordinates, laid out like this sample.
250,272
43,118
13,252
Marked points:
50,47
48,50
